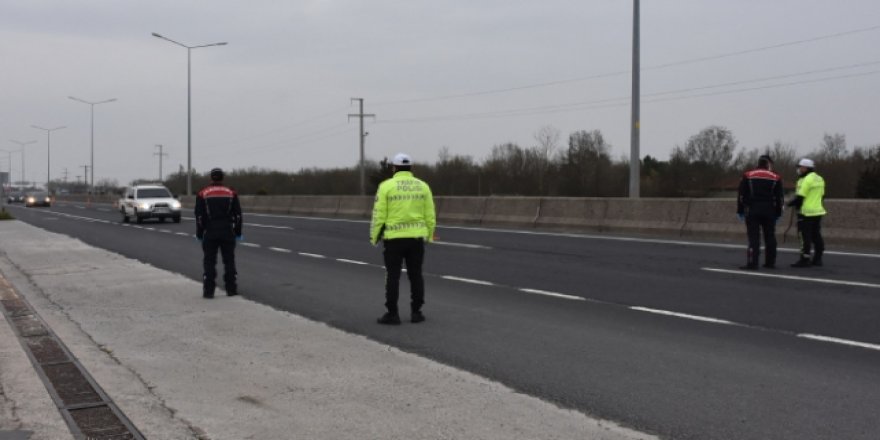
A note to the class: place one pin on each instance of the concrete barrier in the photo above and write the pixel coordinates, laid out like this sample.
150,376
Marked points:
279,204
355,206
512,211
713,218
320,206
464,210
572,213
646,216
852,220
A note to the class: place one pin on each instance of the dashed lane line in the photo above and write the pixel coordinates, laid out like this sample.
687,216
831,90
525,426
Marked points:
794,277
306,254
282,250
683,315
463,245
553,294
343,260
839,341
467,280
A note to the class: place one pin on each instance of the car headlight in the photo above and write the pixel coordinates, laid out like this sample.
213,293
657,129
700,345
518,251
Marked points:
175,204
30,200
144,205
48,200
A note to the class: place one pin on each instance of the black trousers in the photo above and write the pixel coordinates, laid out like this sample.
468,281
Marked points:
226,246
757,224
810,233
412,252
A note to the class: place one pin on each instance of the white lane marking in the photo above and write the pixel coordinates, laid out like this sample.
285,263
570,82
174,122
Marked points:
137,227
183,234
683,315
268,226
839,341
343,260
793,277
253,245
150,229
464,245
306,254
286,251
165,231
467,280
553,294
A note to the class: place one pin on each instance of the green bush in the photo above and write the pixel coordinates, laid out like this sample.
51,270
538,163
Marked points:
5,215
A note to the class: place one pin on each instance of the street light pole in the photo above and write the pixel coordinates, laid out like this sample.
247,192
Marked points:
188,104
22,145
48,152
92,105
634,161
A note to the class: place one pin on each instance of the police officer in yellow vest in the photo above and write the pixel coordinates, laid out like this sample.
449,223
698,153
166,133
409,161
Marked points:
403,218
808,199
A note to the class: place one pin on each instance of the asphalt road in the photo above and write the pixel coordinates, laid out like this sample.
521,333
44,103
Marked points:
664,336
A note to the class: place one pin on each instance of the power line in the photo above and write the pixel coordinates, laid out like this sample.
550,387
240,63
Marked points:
622,101
622,72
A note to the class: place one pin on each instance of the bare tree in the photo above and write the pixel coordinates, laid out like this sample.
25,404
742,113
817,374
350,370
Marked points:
547,138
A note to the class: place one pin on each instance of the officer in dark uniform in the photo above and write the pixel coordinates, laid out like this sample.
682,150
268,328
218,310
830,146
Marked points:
218,226
759,204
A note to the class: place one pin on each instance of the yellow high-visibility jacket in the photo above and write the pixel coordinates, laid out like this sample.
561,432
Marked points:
404,208
812,188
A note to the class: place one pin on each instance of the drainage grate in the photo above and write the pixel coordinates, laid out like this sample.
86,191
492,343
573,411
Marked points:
46,350
70,385
89,413
100,423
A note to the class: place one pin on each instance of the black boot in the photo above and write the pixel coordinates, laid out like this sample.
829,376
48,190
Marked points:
389,319
803,262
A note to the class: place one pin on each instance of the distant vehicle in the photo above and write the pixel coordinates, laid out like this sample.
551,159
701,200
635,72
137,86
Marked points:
37,199
16,197
148,201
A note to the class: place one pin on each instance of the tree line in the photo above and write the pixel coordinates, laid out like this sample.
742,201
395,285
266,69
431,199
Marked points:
710,163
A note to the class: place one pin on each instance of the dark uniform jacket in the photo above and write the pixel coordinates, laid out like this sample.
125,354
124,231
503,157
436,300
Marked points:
218,213
760,193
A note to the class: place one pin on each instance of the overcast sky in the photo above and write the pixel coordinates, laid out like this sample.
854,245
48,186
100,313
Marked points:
466,75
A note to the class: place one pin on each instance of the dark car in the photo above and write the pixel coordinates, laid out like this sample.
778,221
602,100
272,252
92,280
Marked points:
16,197
37,199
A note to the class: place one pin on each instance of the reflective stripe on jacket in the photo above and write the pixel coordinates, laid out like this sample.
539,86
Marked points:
404,208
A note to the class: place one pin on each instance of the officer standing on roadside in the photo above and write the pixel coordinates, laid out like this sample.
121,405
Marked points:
218,226
759,204
403,218
808,200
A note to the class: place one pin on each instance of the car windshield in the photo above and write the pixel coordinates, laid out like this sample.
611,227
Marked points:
38,195
153,193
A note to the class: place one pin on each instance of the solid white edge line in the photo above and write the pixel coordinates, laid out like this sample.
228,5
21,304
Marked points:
467,280
553,294
343,260
793,277
683,315
276,249
839,341
306,254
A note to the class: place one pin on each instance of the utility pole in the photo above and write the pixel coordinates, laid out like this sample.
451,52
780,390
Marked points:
65,174
160,154
86,173
360,115
634,161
